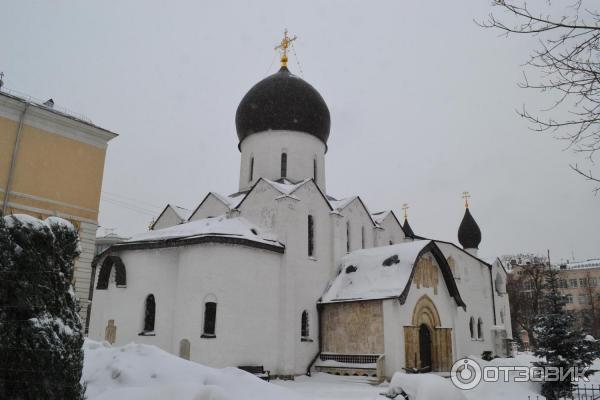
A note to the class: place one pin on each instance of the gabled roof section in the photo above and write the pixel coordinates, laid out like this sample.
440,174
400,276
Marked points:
386,272
465,252
231,201
286,188
340,205
380,216
180,212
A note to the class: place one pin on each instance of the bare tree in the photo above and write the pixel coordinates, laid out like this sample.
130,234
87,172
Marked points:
568,56
525,288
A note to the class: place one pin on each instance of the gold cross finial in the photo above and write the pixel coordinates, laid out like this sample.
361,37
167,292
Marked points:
283,47
466,196
405,208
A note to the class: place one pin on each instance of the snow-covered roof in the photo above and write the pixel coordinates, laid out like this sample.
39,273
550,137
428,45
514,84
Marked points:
363,276
181,212
342,203
232,200
378,217
384,272
593,263
238,227
285,186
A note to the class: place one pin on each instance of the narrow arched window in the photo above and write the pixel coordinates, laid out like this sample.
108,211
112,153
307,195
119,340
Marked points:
149,314
362,237
251,176
311,236
315,170
347,236
472,327
283,165
479,329
304,330
210,317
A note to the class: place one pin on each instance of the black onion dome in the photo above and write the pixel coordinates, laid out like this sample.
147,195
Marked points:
283,101
469,234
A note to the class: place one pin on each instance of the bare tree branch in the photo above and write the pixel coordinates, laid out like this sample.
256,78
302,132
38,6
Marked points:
568,58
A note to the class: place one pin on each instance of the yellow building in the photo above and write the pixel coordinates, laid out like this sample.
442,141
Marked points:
52,163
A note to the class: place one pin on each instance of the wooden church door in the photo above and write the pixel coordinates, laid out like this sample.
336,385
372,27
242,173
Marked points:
425,348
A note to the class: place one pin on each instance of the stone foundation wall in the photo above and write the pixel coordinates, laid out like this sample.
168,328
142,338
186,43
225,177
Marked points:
352,328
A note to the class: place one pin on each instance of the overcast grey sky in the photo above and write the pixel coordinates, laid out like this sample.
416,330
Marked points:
422,105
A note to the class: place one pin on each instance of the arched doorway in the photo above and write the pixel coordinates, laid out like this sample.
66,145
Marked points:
428,346
424,348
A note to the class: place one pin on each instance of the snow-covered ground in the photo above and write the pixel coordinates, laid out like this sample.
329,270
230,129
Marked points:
136,372
322,386
142,372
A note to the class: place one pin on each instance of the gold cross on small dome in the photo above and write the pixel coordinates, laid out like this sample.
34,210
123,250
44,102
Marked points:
283,47
405,208
466,196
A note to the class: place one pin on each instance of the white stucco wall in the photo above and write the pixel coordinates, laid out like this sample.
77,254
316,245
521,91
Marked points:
266,148
244,283
475,289
302,278
148,272
181,280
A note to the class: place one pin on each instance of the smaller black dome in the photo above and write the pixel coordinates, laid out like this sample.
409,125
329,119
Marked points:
469,234
283,101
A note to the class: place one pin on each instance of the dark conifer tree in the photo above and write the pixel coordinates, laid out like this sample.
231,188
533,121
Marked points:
40,331
560,343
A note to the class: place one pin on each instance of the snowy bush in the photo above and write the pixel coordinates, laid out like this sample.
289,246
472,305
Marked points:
40,330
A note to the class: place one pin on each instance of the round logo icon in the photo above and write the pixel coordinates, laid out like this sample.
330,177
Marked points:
465,374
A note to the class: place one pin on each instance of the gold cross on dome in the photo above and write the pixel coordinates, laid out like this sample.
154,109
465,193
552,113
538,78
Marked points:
405,208
466,196
283,47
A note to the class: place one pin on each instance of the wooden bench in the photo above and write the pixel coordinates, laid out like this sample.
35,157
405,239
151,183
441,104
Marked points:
257,370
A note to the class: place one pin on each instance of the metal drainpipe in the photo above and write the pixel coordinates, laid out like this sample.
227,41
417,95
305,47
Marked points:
13,160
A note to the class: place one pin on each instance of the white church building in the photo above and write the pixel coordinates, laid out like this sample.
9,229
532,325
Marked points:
283,275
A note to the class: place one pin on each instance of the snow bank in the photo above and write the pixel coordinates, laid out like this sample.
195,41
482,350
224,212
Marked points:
506,390
424,387
136,372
